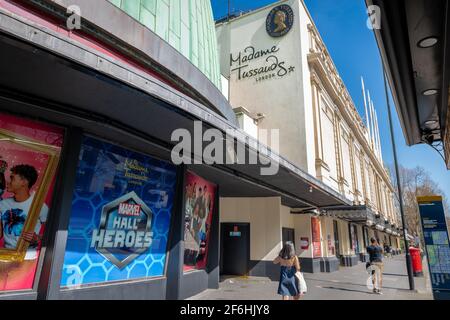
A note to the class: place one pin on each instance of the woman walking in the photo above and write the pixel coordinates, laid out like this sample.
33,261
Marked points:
288,287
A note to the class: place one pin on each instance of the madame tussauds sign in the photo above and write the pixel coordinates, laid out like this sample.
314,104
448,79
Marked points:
271,67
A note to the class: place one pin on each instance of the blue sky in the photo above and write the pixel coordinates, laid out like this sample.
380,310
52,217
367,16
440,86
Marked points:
342,25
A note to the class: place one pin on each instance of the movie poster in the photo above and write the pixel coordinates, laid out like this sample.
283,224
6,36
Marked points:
199,208
29,156
120,220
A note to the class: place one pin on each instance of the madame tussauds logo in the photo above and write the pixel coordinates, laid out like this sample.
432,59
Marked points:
273,66
280,21
215,147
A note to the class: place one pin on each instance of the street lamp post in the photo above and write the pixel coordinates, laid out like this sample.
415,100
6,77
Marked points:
399,188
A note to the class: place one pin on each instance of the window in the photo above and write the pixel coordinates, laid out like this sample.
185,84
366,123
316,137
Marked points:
120,218
199,208
336,238
328,138
353,233
366,237
29,157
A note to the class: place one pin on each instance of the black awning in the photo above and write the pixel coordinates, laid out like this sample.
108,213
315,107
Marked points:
358,214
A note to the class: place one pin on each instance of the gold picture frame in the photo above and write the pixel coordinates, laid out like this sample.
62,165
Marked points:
53,153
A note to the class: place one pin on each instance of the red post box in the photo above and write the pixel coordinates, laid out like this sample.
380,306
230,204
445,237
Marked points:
416,259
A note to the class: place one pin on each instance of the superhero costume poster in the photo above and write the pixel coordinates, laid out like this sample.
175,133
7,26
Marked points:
199,208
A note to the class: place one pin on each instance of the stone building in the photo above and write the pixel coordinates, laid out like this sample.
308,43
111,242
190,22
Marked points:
287,81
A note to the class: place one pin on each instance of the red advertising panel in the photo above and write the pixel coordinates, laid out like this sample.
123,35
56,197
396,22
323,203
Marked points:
29,156
199,208
315,228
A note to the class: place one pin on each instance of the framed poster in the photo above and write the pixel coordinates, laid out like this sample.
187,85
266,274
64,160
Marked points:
29,157
120,219
199,208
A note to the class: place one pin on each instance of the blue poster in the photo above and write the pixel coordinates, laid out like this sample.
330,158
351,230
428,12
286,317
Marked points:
120,218
436,242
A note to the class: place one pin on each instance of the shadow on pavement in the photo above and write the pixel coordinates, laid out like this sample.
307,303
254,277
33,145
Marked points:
345,289
395,274
354,284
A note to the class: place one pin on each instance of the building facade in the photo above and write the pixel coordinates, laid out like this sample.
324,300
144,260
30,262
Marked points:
93,205
281,76
187,26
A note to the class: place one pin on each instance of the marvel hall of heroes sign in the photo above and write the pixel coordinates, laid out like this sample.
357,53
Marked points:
120,217
263,64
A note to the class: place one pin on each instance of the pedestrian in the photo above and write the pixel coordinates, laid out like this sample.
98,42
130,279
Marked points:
288,287
387,251
375,252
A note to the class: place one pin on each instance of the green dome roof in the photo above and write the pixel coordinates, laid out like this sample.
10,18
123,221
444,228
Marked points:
187,25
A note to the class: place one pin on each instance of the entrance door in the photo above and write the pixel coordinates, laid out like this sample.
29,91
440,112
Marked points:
288,235
235,248
336,238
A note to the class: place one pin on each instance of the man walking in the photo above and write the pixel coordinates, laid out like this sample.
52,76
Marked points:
375,252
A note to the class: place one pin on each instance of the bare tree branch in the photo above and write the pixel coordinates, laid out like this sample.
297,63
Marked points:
415,182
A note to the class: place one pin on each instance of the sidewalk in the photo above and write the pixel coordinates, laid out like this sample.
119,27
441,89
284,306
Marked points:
345,284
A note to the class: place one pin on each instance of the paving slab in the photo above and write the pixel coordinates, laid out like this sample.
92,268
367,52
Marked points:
349,283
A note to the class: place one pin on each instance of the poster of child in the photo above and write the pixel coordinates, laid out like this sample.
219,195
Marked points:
22,167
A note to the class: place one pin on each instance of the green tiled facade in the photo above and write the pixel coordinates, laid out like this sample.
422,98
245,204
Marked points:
187,25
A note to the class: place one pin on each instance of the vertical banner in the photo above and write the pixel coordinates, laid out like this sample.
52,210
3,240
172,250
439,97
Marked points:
436,243
29,156
120,218
199,208
316,243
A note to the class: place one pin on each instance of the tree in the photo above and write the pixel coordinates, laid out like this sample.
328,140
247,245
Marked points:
416,182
